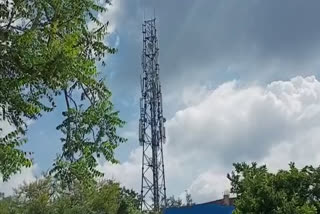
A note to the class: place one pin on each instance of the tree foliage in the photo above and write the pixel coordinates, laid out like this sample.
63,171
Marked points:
129,202
189,201
291,191
174,202
43,197
47,51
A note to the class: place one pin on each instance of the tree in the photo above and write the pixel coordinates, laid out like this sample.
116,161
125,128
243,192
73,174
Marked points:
287,191
177,202
189,201
44,197
173,202
48,51
129,202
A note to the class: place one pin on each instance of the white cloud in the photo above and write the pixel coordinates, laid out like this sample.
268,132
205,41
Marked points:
111,15
209,185
113,11
5,128
236,121
27,175
272,124
127,173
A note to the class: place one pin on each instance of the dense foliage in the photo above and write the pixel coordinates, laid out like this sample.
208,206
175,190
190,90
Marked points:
44,197
291,191
48,51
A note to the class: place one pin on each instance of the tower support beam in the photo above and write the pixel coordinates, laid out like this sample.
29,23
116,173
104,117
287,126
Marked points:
151,124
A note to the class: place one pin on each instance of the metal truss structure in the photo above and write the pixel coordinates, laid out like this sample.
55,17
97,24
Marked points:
151,124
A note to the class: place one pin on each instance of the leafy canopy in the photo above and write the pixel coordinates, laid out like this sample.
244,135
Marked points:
48,51
291,191
44,197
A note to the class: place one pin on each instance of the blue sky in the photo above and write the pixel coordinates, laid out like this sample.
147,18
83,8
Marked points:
240,83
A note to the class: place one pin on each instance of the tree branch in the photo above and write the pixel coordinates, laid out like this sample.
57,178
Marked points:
11,18
86,94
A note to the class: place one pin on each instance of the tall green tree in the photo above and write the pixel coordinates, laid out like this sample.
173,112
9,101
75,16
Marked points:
294,191
47,51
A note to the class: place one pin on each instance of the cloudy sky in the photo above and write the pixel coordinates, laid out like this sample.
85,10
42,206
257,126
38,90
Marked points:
240,83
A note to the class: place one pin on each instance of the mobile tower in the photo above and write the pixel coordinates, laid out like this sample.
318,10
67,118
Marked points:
151,124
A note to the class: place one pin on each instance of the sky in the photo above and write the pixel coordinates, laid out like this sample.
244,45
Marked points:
240,83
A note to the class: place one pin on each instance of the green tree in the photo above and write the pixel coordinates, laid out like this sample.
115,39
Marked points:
173,202
48,51
189,201
7,206
291,191
129,202
45,197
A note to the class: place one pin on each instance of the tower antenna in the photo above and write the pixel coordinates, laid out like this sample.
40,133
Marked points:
151,124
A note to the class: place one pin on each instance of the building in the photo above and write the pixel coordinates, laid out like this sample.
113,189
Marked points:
207,208
222,206
226,200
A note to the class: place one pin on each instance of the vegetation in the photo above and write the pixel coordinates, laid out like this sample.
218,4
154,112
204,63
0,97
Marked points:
47,51
173,202
177,202
291,191
189,201
46,197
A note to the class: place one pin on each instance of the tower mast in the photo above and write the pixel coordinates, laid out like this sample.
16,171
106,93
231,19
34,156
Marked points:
151,124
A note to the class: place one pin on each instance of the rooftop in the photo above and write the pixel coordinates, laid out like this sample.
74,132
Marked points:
207,208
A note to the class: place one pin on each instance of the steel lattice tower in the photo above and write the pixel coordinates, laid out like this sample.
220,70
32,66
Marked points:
151,124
